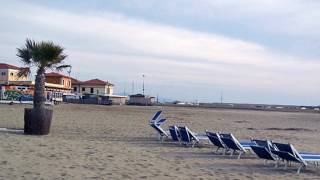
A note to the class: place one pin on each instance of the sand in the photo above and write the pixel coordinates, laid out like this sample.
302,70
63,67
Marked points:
116,142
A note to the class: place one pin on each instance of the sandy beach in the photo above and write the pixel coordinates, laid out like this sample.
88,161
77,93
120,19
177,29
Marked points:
116,142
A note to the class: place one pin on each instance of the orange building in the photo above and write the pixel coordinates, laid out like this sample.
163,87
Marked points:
59,79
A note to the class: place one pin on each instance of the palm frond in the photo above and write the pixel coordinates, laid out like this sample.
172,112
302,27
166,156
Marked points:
30,44
25,55
61,67
23,72
44,54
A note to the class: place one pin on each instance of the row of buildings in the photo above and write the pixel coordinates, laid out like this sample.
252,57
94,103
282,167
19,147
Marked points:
60,87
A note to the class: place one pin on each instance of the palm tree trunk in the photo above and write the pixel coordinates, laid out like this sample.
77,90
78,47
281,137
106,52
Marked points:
38,119
39,88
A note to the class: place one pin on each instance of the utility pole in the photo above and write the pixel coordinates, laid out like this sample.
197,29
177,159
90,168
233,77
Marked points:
132,87
143,83
69,71
157,98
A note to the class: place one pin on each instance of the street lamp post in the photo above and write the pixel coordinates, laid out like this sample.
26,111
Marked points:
143,83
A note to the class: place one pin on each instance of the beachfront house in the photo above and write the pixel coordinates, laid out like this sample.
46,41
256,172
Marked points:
97,87
93,86
141,100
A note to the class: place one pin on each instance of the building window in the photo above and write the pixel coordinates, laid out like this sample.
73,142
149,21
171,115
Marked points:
91,90
63,82
74,89
83,89
11,74
3,73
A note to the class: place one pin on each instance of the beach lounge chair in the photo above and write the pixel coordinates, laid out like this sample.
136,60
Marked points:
289,154
233,144
190,138
263,150
216,140
174,132
264,153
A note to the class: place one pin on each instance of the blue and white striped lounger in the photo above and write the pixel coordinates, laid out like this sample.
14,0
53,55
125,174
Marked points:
233,144
288,153
215,139
188,137
174,132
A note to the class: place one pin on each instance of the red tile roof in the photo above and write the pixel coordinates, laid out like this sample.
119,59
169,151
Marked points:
96,82
54,74
75,81
8,66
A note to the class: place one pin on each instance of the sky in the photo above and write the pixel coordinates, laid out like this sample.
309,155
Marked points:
248,51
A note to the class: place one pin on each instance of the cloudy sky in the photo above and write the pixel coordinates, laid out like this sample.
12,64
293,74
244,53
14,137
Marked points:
252,51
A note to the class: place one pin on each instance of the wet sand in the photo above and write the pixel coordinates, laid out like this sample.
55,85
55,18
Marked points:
116,142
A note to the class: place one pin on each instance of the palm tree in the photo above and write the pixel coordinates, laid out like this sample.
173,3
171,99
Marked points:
43,55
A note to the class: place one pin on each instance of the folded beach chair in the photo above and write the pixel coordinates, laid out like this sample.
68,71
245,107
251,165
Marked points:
155,122
289,154
190,138
216,140
233,144
174,132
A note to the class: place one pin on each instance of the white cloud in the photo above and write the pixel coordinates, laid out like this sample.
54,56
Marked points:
297,18
112,45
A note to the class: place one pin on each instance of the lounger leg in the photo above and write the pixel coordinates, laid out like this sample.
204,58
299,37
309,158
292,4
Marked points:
217,149
231,153
193,143
162,139
286,165
240,153
300,167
